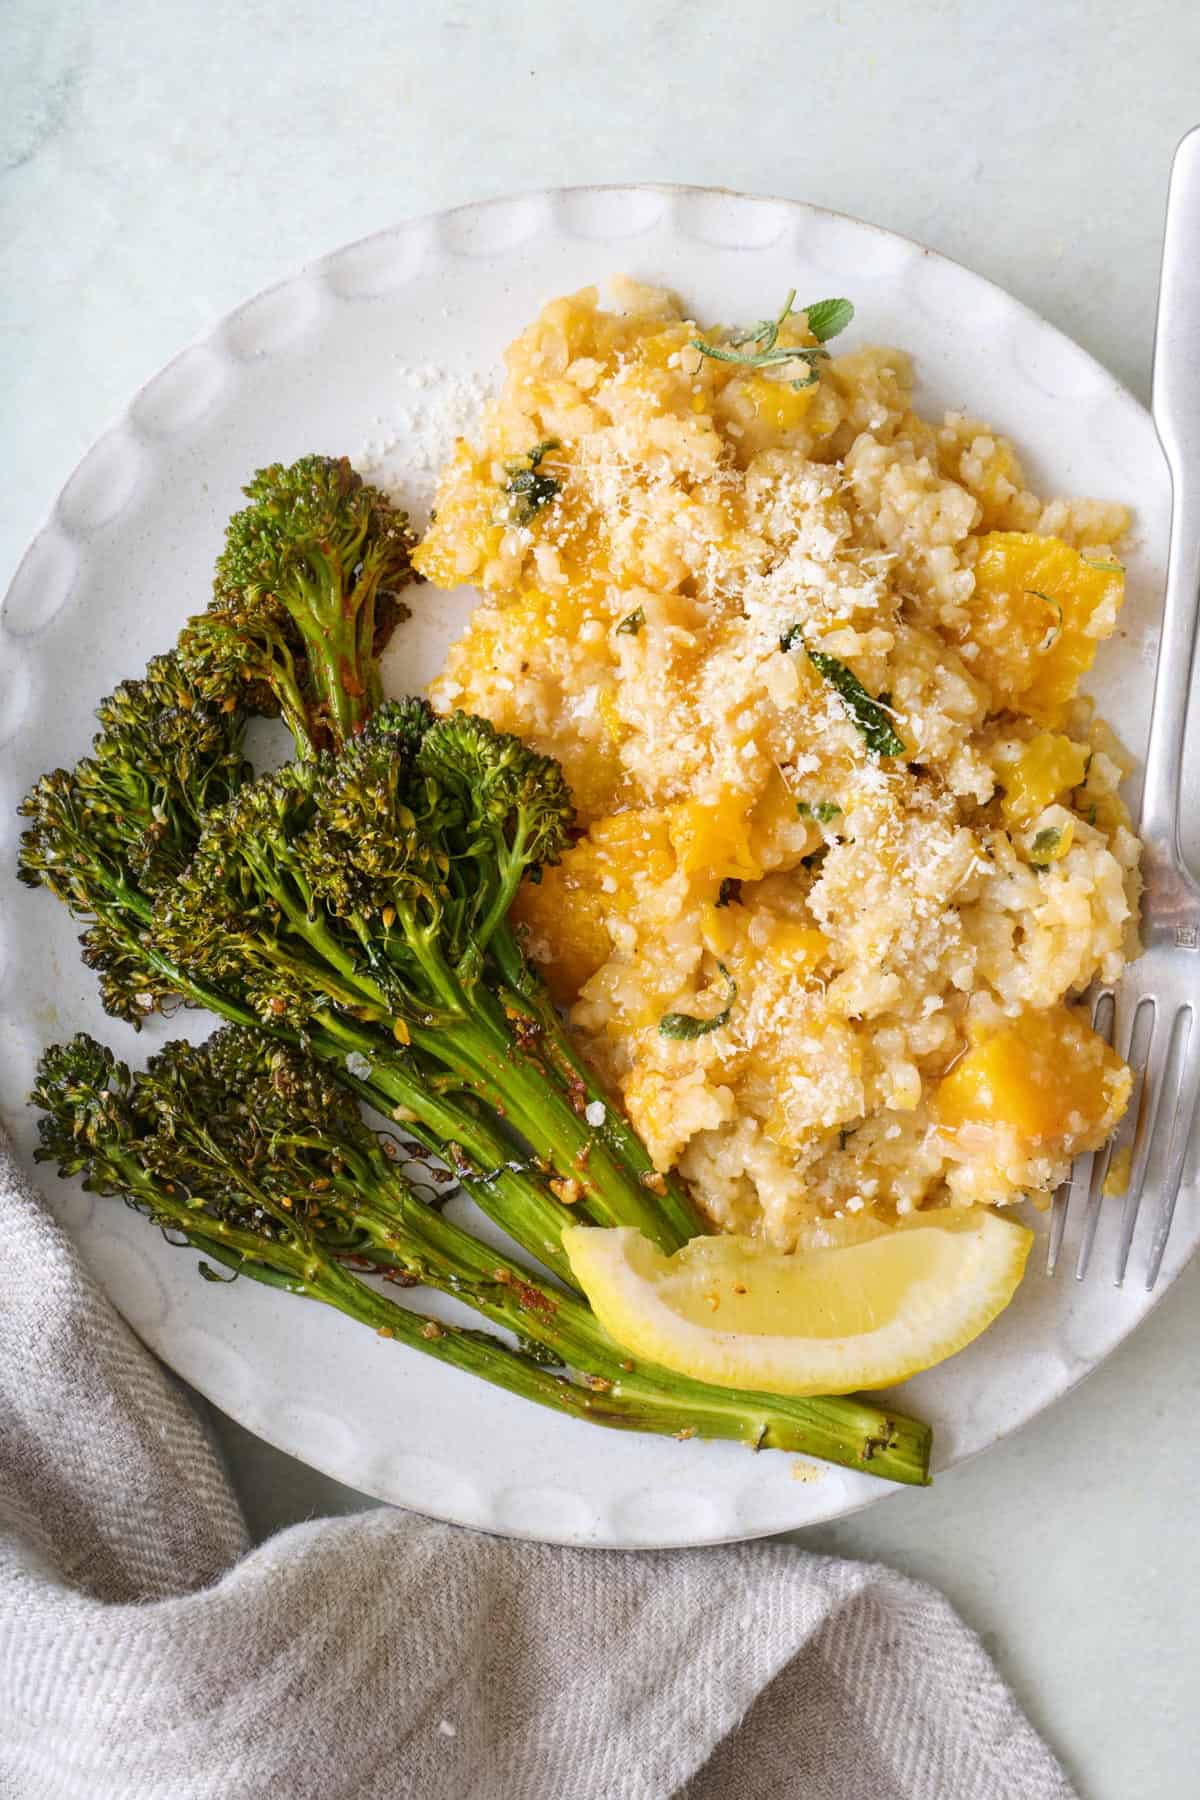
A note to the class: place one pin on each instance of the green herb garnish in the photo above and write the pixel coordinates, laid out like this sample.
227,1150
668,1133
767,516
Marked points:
871,716
1109,568
825,319
528,489
632,623
828,318
1046,841
685,1026
1052,634
823,811
730,889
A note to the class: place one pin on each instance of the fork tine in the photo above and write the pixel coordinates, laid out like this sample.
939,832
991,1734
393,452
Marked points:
1091,1218
1185,1106
1058,1219
1090,1171
1148,1099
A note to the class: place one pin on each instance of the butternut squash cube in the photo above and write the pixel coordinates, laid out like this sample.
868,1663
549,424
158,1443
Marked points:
1046,1074
796,948
601,877
712,838
1048,767
1038,612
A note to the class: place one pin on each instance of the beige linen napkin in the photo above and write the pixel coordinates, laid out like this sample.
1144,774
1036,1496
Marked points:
147,1653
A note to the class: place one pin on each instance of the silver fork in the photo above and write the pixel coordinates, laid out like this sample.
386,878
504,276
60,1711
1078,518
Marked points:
1154,1012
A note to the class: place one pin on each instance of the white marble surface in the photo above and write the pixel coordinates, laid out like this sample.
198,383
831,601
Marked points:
162,162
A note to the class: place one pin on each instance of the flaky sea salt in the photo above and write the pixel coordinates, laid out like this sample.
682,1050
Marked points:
593,1112
433,406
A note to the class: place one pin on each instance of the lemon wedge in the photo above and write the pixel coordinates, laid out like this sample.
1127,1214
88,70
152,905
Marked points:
858,1305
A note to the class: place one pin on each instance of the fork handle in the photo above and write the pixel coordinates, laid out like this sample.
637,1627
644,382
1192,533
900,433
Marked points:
1176,401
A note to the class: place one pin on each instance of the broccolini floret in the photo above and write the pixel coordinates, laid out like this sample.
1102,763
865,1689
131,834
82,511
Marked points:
123,824
307,593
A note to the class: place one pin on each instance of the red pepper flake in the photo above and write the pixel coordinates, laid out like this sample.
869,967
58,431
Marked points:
534,1300
577,1094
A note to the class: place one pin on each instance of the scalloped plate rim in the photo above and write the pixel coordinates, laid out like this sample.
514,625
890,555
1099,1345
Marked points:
314,271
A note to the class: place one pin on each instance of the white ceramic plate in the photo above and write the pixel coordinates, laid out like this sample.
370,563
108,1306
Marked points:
367,349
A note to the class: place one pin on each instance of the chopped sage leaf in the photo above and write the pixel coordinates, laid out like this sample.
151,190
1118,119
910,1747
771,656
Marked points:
685,1026
632,623
528,489
870,716
730,889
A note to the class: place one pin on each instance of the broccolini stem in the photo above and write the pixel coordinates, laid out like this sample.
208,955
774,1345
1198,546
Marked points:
338,628
345,680
475,1040
852,1432
482,1051
513,1197
601,1386
494,1176
524,994
286,687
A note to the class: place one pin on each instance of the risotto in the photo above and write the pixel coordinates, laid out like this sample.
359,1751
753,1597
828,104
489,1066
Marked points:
850,844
